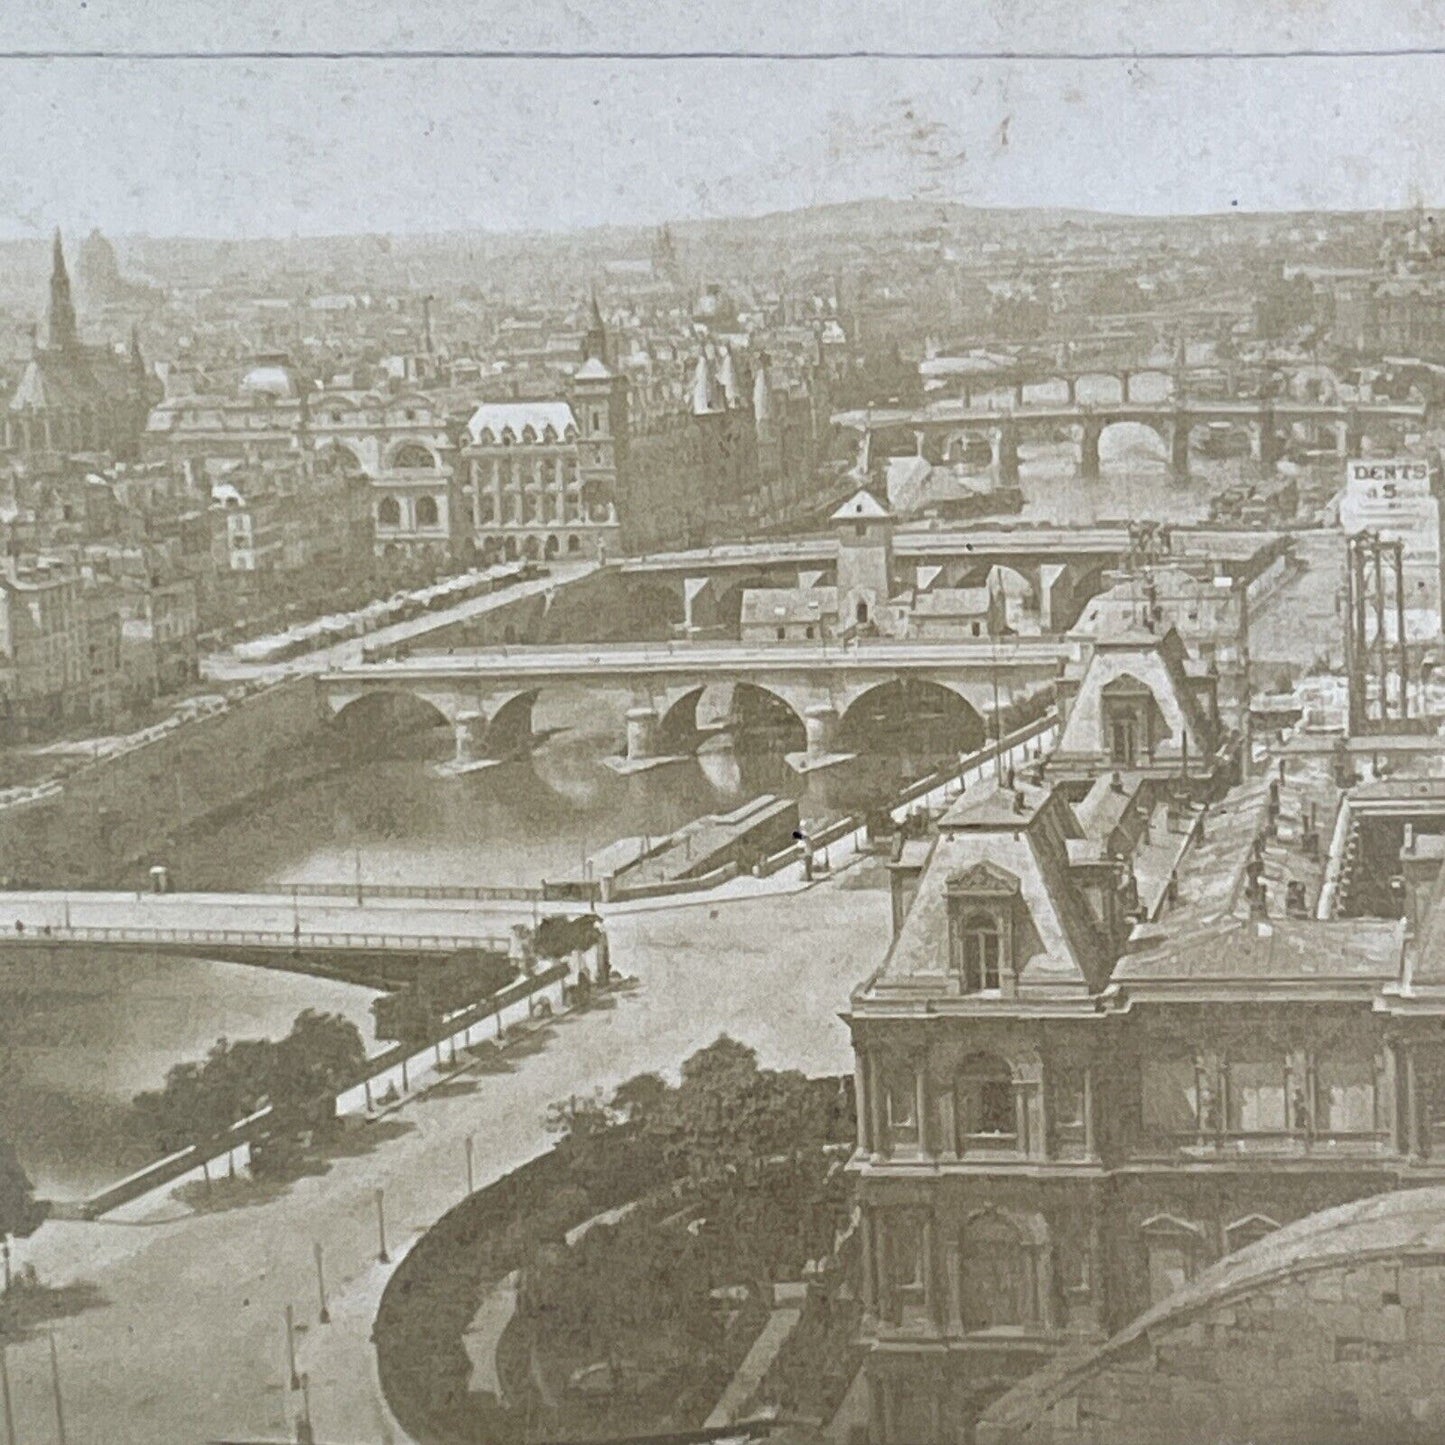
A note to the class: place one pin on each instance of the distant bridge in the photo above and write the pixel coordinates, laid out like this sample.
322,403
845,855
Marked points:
1173,421
372,942
964,555
488,696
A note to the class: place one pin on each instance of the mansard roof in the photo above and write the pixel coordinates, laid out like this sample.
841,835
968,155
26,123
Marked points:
1060,949
493,421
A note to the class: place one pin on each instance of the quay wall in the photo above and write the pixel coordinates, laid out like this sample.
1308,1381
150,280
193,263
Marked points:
112,817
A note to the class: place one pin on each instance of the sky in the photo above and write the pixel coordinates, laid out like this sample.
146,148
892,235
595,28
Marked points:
240,145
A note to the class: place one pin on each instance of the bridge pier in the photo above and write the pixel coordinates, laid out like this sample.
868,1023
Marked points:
1179,430
1264,443
464,753
641,733
820,727
1089,450
1006,454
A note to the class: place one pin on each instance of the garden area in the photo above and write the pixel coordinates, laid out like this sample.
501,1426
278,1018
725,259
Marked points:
694,1200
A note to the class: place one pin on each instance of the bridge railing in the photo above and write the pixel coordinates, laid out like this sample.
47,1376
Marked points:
520,892
305,939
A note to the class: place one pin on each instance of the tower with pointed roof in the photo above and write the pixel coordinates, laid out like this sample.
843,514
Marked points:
61,331
595,340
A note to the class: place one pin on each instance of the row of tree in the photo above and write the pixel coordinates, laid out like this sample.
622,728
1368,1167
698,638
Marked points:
299,1076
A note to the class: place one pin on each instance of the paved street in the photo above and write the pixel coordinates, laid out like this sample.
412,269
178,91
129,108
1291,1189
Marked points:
189,1345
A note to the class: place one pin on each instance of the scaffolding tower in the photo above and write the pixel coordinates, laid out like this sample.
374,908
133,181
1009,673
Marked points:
1375,589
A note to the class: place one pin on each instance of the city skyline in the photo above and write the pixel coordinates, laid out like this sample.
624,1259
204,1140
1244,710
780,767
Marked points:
252,149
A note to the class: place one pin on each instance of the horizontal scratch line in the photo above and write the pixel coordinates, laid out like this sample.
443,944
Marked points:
978,56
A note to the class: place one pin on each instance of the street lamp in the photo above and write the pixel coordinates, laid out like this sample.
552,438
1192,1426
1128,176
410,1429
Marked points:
291,1347
325,1316
382,1256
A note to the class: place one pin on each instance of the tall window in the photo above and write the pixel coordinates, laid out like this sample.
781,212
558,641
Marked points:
1344,1093
1000,1268
1171,1097
426,512
985,1106
905,1262
982,951
1257,1091
388,512
900,1106
1066,1111
1123,740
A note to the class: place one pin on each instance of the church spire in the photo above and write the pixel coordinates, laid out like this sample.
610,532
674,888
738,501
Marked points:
594,341
61,317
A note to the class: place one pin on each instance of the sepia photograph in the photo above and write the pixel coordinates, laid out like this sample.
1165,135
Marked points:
723,726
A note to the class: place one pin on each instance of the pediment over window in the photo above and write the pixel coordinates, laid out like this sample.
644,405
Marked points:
984,880
1170,1225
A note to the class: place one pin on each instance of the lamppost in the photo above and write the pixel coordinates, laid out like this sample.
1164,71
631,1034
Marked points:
291,1347
325,1316
5,1402
382,1257
55,1384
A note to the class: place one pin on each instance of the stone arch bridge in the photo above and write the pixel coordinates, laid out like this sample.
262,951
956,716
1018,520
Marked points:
1347,424
488,697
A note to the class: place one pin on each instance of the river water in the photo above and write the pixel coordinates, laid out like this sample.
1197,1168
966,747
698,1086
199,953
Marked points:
79,1036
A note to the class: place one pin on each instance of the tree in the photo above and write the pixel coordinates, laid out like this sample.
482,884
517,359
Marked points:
20,1212
190,1109
558,937
321,1055
641,1098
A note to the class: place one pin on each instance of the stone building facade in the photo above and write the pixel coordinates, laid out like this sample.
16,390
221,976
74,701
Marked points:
1098,1057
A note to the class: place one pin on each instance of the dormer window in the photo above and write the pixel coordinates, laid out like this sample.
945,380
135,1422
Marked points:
982,907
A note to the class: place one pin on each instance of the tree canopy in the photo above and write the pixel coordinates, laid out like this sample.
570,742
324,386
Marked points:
201,1100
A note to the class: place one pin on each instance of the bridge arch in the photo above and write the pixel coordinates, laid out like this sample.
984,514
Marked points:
508,731
384,715
911,715
771,714
1100,386
1124,439
1150,384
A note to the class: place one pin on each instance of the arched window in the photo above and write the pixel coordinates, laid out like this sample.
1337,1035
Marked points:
985,1106
412,456
1001,1265
861,612
427,514
981,949
388,512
